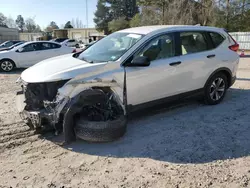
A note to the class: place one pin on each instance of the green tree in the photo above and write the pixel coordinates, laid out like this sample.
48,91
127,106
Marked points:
20,23
135,21
102,16
68,25
119,24
51,27
123,8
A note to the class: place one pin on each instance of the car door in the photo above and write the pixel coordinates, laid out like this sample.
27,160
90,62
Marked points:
50,50
29,54
198,59
60,50
145,84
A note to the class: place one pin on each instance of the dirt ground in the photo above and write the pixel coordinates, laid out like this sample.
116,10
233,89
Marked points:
189,146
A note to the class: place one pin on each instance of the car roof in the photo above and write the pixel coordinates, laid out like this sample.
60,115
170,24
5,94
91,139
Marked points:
144,30
31,42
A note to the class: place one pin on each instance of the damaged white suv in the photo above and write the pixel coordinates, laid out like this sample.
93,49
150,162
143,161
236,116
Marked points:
89,94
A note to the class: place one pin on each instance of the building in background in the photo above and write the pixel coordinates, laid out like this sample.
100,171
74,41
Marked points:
8,34
84,35
30,36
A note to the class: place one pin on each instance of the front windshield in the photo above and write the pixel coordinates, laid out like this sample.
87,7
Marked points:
110,48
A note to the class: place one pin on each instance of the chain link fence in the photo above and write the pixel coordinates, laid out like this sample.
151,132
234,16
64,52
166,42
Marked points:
243,39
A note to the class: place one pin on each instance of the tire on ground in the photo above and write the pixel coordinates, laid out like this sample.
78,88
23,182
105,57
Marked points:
207,98
9,68
100,131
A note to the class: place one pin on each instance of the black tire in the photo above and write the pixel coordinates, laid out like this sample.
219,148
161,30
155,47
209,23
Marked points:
101,131
7,65
77,46
213,86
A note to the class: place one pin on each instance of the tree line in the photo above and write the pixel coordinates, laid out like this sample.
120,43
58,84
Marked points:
29,25
114,15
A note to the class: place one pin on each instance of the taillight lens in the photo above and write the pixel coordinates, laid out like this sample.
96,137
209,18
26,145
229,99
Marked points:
74,51
234,47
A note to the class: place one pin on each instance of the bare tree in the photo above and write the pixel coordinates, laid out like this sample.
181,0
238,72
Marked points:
10,22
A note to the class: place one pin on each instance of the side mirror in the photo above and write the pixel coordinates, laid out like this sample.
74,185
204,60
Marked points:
140,61
20,50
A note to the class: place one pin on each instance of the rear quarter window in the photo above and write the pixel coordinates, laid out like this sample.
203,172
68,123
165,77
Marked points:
216,38
55,45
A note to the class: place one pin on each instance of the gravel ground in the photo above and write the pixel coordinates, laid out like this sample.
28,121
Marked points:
192,145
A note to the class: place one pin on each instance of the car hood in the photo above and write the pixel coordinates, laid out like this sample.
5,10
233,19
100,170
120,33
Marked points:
58,68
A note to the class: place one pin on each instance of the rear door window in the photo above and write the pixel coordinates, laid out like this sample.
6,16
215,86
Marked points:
193,42
216,38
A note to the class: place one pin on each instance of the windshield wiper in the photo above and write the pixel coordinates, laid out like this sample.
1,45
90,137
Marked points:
84,59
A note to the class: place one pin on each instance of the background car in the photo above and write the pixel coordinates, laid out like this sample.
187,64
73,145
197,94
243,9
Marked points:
30,53
11,47
9,43
85,46
59,40
70,43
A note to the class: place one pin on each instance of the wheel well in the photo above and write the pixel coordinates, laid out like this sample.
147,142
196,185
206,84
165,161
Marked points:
228,75
226,72
4,59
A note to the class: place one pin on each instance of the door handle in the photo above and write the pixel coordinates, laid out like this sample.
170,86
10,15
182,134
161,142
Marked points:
211,56
175,63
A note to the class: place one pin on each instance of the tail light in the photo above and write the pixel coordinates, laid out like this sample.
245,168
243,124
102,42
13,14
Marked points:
235,46
74,51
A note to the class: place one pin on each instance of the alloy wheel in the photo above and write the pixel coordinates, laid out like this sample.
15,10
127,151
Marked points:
6,66
217,89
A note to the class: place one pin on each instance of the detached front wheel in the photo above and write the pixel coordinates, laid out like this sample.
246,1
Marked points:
107,131
215,89
101,118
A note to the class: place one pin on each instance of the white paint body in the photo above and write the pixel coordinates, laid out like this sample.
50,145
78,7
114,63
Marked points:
27,59
144,84
69,43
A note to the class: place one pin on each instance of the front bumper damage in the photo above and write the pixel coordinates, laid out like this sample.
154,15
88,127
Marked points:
48,116
58,113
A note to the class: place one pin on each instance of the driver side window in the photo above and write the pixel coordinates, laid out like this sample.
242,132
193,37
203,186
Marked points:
159,48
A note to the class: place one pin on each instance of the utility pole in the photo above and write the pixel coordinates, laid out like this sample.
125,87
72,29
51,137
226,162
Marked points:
87,23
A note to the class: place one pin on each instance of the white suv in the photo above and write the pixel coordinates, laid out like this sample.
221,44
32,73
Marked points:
89,94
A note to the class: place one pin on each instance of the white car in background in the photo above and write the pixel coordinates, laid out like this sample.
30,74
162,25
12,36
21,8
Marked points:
30,53
70,43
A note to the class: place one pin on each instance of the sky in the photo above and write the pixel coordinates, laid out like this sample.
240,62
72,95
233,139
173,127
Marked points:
45,11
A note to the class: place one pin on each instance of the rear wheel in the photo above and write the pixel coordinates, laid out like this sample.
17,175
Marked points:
7,65
215,89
